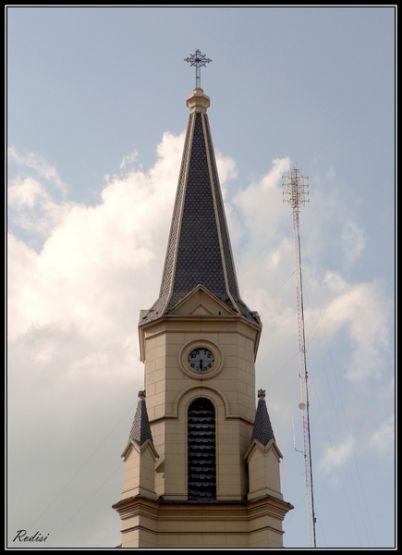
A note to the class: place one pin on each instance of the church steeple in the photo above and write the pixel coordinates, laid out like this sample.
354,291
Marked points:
199,250
201,464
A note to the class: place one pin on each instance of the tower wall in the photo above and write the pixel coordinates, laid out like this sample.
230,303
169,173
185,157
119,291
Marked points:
171,387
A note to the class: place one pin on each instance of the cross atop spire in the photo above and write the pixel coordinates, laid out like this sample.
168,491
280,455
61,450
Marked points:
198,60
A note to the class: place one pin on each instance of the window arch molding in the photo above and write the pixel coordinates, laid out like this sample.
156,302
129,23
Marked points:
184,399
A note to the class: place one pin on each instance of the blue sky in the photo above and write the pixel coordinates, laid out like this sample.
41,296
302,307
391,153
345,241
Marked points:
96,114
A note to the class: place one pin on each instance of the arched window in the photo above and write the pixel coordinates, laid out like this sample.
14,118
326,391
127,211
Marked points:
201,450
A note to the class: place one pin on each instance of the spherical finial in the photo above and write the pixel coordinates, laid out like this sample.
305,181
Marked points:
141,394
261,393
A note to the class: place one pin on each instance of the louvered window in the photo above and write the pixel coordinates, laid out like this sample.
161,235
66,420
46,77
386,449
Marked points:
201,450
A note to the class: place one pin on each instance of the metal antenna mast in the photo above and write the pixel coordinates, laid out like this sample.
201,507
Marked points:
198,60
295,193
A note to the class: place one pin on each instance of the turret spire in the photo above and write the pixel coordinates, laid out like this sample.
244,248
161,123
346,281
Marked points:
262,431
141,430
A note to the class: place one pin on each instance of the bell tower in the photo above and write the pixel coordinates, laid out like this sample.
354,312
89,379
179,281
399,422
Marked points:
201,463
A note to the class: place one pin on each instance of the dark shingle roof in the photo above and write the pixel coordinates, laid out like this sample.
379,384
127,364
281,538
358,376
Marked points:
262,430
141,430
198,250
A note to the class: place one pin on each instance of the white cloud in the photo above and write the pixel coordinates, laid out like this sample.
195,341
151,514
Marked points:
382,440
226,170
335,282
26,192
265,241
129,159
22,262
35,162
354,242
73,314
362,309
74,302
336,456
100,257
32,208
97,257
98,266
260,204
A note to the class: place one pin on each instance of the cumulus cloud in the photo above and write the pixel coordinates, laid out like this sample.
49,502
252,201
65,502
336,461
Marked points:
97,256
332,304
227,171
39,164
32,208
260,204
26,192
73,356
361,309
336,456
74,303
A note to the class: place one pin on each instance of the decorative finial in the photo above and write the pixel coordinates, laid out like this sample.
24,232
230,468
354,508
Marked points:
141,394
261,393
198,60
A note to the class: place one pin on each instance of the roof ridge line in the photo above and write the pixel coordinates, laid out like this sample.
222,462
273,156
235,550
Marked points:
204,117
186,162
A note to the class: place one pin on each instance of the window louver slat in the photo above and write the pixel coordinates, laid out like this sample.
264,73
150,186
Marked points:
201,451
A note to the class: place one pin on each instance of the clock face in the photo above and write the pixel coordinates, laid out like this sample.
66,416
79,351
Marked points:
201,359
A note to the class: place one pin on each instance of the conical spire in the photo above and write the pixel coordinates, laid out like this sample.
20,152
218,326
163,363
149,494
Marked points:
141,430
262,430
199,251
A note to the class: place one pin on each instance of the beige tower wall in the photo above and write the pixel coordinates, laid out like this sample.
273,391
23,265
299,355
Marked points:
148,523
264,474
171,387
139,473
241,471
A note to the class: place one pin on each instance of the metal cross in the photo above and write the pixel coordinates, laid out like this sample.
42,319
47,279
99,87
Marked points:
198,60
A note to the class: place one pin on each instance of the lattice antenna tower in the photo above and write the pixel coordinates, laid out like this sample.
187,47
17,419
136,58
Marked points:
295,193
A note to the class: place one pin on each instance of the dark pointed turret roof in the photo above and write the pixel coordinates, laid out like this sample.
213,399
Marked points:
198,250
262,430
141,430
